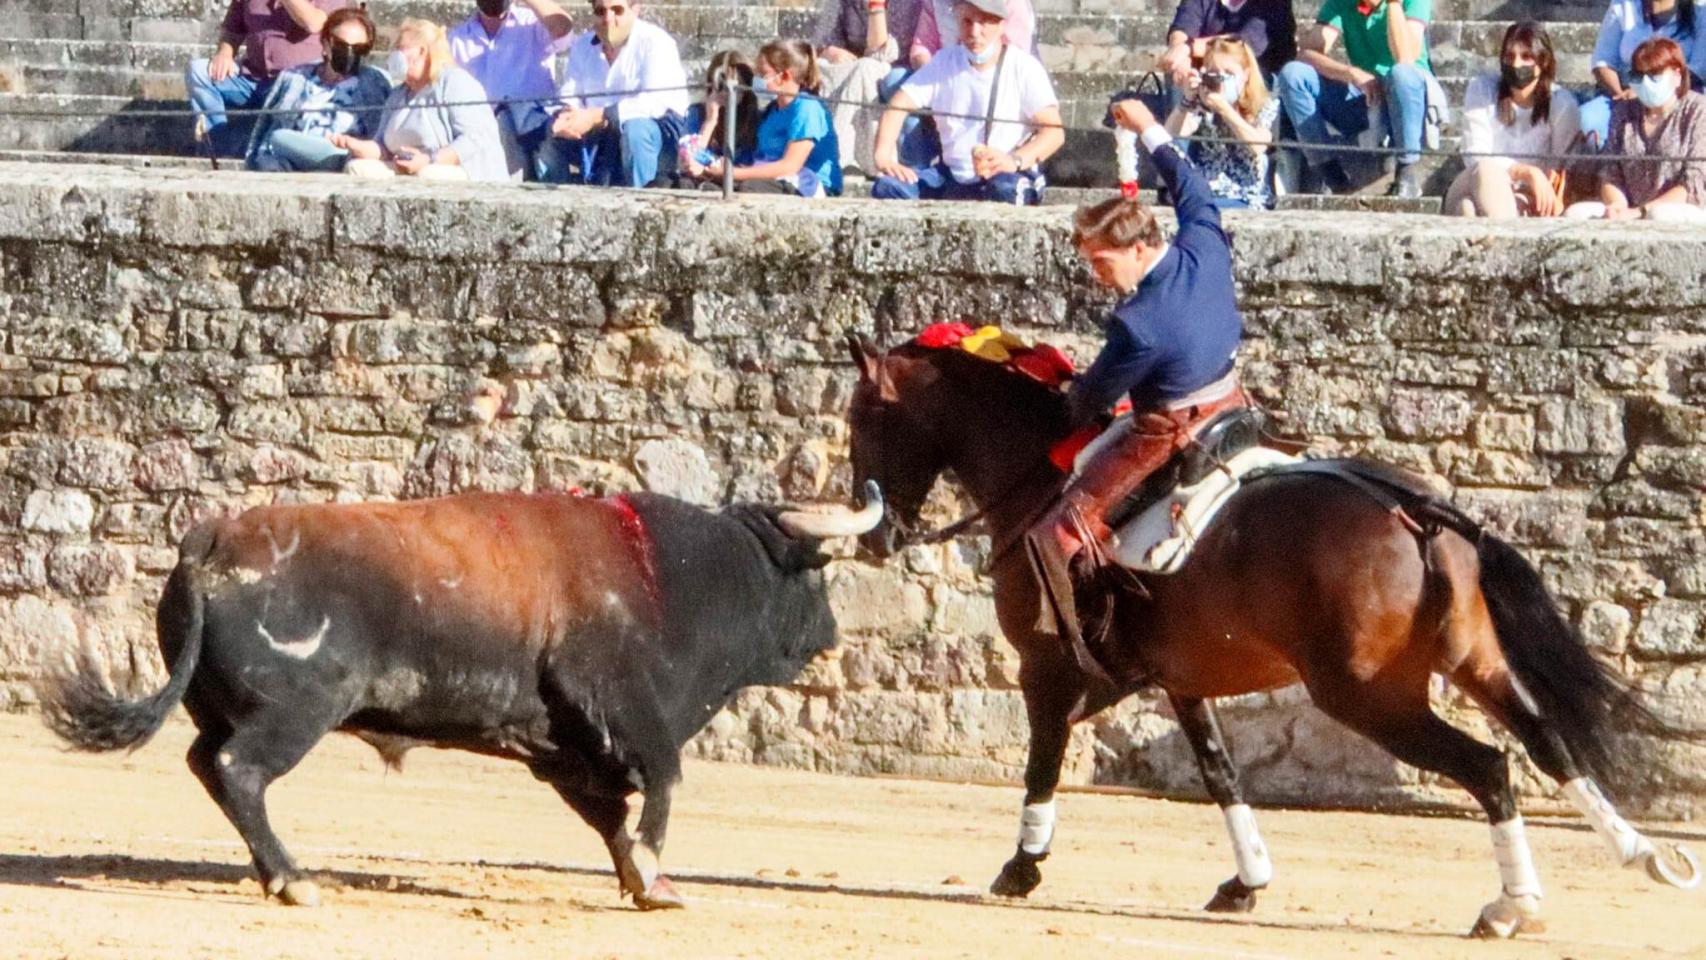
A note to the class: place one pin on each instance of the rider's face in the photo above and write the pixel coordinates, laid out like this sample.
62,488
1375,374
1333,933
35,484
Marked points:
1120,268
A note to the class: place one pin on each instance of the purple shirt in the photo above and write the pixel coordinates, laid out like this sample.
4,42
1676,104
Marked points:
1266,25
843,23
271,40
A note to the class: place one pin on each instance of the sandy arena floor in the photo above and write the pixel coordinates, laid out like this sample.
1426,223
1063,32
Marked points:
125,857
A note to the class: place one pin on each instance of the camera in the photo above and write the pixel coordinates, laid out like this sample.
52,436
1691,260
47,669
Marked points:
1211,80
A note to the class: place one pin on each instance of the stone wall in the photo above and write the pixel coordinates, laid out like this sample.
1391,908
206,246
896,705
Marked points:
177,345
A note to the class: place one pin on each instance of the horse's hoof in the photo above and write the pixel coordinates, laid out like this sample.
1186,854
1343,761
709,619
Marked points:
1673,864
1232,897
300,893
660,896
1018,877
1508,916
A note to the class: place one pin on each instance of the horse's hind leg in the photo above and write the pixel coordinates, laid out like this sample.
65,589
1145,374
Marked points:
1202,728
1391,708
1487,679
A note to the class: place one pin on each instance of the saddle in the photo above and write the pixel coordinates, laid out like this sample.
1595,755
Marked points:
1156,526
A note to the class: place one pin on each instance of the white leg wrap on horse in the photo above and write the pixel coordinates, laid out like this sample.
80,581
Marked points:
1625,841
1254,867
1036,827
1516,861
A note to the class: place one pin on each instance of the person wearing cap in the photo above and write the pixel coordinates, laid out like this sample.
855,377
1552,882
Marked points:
509,47
995,109
939,29
274,36
1171,343
625,96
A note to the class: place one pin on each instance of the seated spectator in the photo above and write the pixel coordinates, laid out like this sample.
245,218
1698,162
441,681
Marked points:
796,153
1387,67
859,46
1509,121
436,124
1665,120
510,49
274,36
1229,103
612,135
939,29
1267,27
704,140
994,158
1627,25
339,95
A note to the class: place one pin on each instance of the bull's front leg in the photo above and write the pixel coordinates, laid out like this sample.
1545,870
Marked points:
643,875
1054,694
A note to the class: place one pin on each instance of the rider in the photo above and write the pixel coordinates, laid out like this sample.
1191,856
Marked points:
1170,346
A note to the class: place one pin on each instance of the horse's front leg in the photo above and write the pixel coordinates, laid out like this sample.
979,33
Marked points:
1054,697
1220,776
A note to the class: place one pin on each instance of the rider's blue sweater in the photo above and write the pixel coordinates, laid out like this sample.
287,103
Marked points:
1177,332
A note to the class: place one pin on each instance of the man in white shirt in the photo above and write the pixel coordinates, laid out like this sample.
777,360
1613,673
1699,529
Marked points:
615,134
987,154
509,48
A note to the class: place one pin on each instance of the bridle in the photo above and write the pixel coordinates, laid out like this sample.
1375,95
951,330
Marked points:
907,537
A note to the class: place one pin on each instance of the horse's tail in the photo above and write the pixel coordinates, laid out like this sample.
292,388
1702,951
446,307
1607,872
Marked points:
77,705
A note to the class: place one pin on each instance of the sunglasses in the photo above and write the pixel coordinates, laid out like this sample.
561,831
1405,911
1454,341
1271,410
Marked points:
1639,75
615,8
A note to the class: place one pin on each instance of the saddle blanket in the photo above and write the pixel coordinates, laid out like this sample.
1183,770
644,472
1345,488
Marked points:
1161,538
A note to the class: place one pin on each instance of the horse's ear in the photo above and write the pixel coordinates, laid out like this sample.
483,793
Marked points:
865,354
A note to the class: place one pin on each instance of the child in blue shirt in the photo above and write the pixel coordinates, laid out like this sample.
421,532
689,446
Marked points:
797,152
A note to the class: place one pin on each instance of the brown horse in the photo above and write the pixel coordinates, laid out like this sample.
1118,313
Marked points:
1360,588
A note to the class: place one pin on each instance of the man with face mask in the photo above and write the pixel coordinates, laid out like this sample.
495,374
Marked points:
995,109
509,48
342,94
274,35
625,103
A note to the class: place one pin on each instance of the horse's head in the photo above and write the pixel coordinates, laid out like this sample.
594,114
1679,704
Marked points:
920,411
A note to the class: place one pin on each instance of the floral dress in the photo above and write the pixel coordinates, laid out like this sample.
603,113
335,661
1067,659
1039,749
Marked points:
1234,171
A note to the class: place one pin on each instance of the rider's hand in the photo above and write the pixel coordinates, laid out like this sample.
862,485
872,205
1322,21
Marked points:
1132,115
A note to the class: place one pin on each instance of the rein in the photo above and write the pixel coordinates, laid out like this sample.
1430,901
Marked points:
910,537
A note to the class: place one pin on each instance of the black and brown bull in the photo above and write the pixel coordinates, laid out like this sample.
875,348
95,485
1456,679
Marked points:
589,639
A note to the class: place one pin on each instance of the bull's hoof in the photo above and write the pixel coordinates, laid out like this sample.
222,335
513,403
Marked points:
1019,876
660,896
300,893
1508,916
1232,897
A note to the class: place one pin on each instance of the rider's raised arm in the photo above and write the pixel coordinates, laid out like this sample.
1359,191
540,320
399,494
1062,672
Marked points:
1193,202
1125,362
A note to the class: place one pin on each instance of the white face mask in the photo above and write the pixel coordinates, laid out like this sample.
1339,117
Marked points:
1232,86
1656,91
397,65
979,59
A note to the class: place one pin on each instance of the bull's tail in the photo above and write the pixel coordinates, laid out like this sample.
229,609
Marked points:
77,705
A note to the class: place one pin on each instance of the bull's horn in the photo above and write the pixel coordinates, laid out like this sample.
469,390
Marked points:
842,522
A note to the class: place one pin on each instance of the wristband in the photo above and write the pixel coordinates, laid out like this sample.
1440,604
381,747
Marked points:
876,5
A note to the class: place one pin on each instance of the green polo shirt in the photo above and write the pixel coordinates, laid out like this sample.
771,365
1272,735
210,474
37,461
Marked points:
1365,36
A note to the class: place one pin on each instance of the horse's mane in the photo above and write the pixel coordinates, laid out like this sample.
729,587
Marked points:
995,383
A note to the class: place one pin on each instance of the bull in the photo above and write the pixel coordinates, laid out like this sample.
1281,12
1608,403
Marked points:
587,638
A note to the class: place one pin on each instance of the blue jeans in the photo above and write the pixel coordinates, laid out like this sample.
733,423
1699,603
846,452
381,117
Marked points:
306,152
1313,103
633,156
936,183
210,99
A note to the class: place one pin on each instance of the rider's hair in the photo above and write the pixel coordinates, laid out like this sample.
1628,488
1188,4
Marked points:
1116,222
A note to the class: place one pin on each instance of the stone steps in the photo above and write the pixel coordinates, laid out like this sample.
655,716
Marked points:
94,124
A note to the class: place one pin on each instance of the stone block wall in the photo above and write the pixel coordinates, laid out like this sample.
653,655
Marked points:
179,345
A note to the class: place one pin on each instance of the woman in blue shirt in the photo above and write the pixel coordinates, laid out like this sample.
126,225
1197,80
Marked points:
797,151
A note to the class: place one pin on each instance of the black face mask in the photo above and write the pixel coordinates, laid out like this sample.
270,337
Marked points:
493,8
345,58
1515,77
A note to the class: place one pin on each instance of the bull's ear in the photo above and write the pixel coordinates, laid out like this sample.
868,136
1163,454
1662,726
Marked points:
865,355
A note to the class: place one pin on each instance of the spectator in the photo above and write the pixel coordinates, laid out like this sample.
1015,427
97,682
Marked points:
1386,46
436,124
797,153
1644,173
1229,101
1627,25
698,149
274,35
859,57
939,29
1267,27
1509,121
994,158
509,48
338,95
617,135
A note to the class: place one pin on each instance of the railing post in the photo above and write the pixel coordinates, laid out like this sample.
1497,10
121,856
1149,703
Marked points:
729,138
